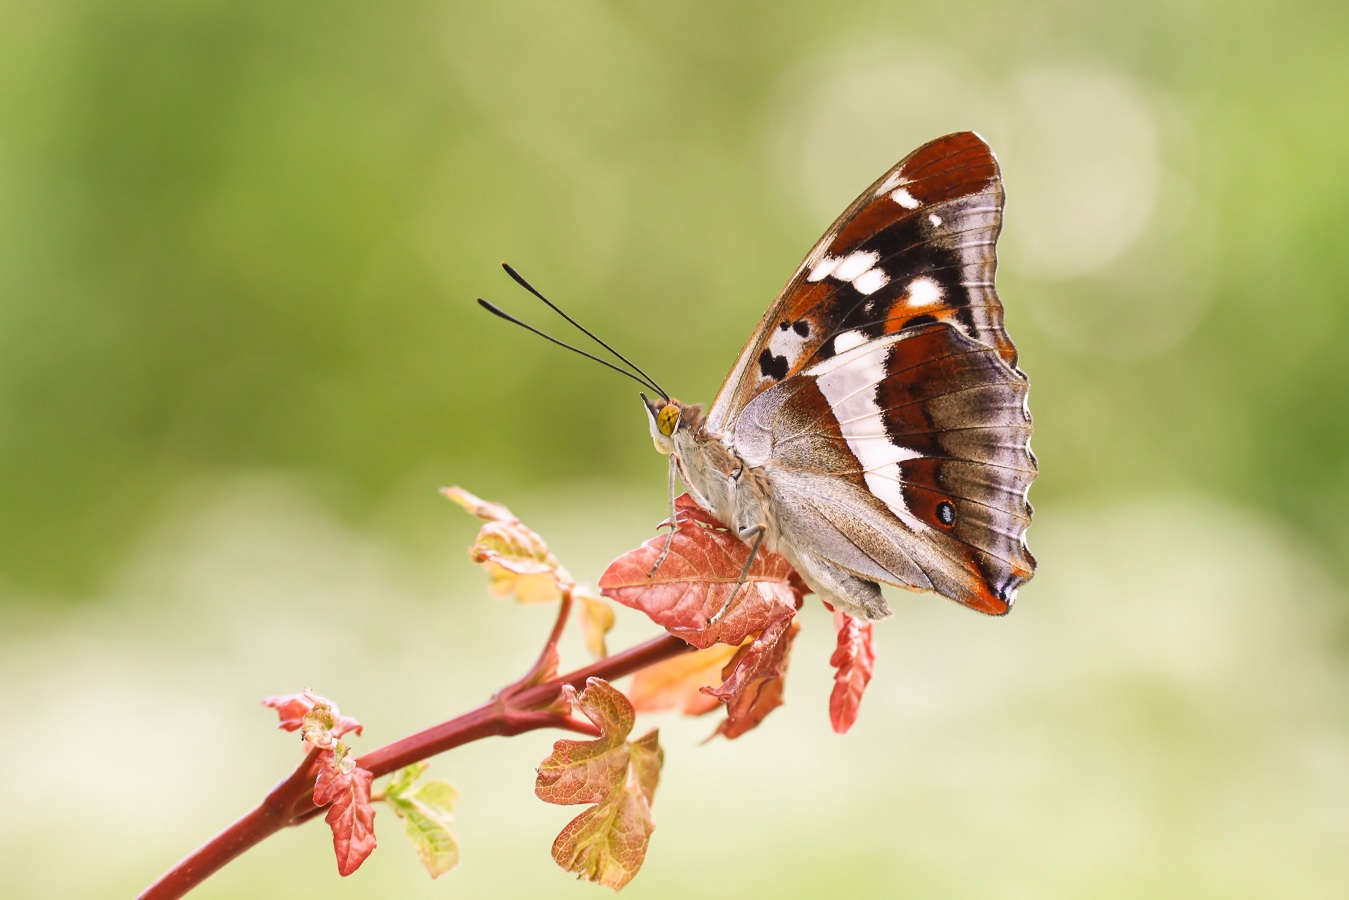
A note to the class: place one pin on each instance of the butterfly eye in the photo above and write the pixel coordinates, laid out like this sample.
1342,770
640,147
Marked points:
667,419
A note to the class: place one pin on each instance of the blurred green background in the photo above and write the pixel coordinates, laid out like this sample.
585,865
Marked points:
239,246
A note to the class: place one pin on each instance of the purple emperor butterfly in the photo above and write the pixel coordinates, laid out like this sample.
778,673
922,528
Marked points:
875,428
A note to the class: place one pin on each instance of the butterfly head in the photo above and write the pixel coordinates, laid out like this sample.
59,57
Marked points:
667,418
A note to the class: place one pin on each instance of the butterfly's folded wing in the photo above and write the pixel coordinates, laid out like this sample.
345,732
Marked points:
881,393
906,461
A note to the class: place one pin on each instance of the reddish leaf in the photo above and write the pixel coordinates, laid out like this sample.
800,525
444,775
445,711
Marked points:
597,620
855,659
693,583
333,772
483,509
290,708
702,569
519,563
606,843
313,712
588,771
516,558
647,760
754,678
677,683
345,790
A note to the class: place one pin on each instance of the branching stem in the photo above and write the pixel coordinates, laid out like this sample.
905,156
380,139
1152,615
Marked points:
548,656
521,707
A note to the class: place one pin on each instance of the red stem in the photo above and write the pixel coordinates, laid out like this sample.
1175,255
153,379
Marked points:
290,802
547,656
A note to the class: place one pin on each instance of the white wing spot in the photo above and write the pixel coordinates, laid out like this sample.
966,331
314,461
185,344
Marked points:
935,220
905,199
786,344
823,268
858,268
855,264
848,340
924,292
870,281
817,253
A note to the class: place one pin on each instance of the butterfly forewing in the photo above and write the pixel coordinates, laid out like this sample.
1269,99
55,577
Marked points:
917,246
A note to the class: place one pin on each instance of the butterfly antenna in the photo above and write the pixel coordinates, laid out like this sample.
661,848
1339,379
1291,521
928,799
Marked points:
520,280
498,311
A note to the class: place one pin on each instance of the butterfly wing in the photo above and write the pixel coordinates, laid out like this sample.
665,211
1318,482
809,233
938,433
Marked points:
903,461
916,246
881,397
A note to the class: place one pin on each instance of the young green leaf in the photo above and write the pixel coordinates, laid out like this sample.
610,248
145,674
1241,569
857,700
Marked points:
401,782
606,843
519,563
425,810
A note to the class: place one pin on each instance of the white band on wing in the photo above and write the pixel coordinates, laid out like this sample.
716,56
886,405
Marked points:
848,382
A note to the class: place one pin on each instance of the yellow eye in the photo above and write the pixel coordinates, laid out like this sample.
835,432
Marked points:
667,419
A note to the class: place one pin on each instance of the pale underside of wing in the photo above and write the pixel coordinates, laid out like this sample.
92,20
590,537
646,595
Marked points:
903,460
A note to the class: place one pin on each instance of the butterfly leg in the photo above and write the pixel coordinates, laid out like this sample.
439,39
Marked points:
758,532
669,536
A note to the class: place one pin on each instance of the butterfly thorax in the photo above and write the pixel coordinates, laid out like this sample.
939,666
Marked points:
716,476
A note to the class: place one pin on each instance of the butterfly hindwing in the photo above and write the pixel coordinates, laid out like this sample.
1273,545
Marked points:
904,460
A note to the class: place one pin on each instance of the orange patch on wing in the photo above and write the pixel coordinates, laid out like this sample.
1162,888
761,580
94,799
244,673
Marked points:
901,315
981,596
805,299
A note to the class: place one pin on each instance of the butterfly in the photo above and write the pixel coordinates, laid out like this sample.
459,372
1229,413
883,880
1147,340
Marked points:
875,428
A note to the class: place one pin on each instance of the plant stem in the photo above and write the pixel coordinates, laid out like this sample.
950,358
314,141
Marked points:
548,655
290,802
